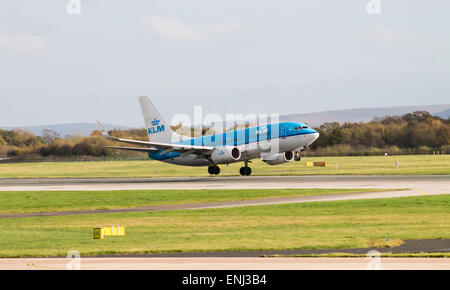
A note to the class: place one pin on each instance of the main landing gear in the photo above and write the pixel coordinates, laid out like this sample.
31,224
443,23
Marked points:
213,169
245,170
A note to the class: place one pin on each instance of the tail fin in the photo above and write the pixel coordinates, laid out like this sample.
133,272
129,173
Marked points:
157,128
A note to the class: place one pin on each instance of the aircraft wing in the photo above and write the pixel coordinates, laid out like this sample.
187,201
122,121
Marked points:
155,146
139,149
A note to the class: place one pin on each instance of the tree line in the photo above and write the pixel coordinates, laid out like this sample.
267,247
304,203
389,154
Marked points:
412,133
22,145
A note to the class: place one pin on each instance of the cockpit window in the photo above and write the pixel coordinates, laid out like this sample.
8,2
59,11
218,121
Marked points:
301,127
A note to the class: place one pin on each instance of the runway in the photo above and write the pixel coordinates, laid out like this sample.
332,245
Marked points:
432,184
228,263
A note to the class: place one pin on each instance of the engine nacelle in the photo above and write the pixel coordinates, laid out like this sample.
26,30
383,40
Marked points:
225,155
279,158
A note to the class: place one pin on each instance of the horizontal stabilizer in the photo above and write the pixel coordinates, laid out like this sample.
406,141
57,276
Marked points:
103,131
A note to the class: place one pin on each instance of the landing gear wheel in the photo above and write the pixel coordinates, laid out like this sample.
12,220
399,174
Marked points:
297,156
213,169
245,171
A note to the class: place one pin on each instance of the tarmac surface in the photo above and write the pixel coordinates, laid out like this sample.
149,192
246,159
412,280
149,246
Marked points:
372,262
409,246
426,183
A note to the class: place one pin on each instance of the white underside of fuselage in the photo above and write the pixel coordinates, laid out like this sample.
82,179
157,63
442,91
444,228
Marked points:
251,150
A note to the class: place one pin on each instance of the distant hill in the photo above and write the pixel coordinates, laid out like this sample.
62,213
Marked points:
363,114
444,114
82,129
314,119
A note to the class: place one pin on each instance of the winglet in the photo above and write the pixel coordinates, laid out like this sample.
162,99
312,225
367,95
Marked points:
103,131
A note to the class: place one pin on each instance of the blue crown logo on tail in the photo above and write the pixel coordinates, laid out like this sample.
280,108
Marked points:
156,127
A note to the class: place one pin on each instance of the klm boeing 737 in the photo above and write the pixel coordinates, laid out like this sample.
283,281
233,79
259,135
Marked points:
274,143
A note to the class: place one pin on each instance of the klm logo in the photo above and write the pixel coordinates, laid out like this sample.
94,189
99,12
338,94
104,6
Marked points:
156,128
262,130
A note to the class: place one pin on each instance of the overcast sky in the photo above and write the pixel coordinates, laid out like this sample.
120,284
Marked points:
246,56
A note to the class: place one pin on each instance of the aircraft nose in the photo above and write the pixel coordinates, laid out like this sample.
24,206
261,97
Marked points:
316,135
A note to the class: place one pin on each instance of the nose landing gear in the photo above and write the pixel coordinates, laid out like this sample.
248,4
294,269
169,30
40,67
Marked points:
247,171
213,169
298,152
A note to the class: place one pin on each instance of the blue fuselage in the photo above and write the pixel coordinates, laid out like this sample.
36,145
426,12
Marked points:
242,137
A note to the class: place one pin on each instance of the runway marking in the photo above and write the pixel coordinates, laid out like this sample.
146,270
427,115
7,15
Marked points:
32,264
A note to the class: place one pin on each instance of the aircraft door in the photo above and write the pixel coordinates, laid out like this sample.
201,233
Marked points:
283,131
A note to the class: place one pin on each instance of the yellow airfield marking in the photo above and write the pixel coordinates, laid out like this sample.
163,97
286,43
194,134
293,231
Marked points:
33,264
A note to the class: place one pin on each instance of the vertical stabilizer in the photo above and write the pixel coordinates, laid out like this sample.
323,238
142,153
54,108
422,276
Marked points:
157,128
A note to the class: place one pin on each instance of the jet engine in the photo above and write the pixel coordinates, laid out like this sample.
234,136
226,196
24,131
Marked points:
225,155
278,158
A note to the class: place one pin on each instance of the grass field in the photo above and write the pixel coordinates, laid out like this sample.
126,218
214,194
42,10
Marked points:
363,165
42,201
357,223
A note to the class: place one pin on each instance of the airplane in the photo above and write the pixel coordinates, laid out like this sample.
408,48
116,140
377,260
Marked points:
288,139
